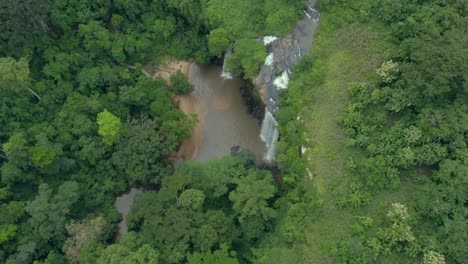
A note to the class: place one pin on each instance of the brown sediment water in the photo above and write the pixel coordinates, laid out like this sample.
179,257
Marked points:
223,118
123,204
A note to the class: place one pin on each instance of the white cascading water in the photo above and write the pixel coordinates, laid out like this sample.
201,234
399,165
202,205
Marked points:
268,39
269,134
225,74
281,82
270,59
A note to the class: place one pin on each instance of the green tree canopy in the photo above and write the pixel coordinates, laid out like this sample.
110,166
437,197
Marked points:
49,212
109,127
252,194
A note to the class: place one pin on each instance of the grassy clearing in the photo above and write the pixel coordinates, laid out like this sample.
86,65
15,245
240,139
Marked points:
341,57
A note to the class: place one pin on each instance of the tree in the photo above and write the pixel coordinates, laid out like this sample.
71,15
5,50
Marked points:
15,75
141,153
121,254
11,214
398,235
192,199
109,127
251,196
54,258
248,54
18,154
433,257
43,153
130,249
179,83
96,39
190,212
24,253
21,22
278,255
213,257
218,41
81,234
48,212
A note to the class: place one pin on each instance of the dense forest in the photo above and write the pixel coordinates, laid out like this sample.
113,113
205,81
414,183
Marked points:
379,108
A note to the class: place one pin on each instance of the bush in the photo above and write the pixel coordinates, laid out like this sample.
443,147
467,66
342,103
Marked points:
180,84
249,54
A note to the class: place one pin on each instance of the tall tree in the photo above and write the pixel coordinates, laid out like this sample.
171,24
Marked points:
109,127
49,212
21,21
15,75
252,194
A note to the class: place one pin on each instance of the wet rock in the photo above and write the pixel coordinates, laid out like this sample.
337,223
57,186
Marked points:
235,149
287,52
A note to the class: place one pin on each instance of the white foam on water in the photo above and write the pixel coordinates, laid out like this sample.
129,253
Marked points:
268,39
225,74
281,82
270,59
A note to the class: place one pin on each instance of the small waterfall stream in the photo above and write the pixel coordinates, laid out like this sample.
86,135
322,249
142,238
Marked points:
226,74
269,134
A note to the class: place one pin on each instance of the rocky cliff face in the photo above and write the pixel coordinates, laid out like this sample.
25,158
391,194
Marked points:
283,54
274,75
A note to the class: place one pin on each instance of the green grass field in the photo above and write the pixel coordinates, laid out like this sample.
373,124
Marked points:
351,54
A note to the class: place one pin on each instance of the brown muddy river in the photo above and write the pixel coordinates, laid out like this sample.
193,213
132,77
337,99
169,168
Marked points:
223,118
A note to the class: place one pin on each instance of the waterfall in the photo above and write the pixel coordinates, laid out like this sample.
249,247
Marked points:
225,74
312,13
270,59
268,39
269,134
281,82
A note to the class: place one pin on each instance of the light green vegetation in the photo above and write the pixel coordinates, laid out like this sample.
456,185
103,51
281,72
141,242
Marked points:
248,55
374,148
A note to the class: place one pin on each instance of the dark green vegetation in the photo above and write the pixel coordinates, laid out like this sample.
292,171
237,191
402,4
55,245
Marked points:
80,123
381,106
383,101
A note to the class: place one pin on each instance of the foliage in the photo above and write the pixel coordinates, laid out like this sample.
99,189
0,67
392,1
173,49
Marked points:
398,138
219,256
218,41
48,212
250,199
248,55
122,254
21,23
109,127
81,234
198,195
180,84
140,155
